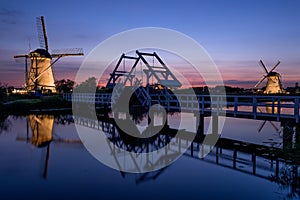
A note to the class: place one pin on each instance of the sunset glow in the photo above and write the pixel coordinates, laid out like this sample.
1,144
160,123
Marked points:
235,34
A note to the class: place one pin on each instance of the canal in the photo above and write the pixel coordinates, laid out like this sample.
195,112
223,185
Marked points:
43,157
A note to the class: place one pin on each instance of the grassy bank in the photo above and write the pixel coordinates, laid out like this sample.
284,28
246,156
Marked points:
23,106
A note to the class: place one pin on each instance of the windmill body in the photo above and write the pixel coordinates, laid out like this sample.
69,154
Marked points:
40,60
274,85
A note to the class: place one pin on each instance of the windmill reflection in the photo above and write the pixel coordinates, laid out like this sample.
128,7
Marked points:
269,110
41,128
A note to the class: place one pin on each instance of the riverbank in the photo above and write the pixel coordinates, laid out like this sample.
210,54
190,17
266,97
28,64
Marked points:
23,106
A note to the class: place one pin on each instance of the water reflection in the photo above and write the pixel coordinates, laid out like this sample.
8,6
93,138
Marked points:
5,123
39,131
278,162
275,163
288,179
270,111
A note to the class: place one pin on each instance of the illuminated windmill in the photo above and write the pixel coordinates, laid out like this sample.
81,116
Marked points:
40,76
274,84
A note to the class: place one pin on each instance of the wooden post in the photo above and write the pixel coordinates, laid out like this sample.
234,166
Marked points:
296,109
192,149
217,155
235,106
215,123
287,139
165,120
297,134
254,107
278,109
234,157
254,162
277,169
200,125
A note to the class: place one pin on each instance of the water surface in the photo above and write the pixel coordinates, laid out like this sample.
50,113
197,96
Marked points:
63,168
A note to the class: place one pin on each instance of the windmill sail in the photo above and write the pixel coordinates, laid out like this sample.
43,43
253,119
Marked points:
42,34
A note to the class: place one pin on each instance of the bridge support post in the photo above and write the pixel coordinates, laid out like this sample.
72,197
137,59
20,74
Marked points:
234,157
192,149
165,122
215,123
298,134
254,162
288,131
277,169
217,155
200,125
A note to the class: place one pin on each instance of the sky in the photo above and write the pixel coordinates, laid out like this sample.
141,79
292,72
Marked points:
236,34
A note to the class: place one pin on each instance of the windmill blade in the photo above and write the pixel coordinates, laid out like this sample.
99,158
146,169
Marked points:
42,34
18,60
275,127
263,66
259,109
275,66
261,126
259,82
26,70
21,56
67,52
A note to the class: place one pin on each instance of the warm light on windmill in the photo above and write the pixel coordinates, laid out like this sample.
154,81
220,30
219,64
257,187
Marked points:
40,77
274,85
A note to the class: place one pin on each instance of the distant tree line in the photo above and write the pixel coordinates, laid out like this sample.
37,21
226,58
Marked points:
4,90
66,86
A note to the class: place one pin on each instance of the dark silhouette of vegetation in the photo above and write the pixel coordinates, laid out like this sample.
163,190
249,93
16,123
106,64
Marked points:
88,86
23,106
64,86
3,93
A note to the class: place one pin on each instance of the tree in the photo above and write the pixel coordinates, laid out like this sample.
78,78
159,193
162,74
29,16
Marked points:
88,86
64,86
3,93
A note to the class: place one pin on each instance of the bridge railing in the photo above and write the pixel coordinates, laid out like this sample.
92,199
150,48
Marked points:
254,105
268,106
97,98
251,105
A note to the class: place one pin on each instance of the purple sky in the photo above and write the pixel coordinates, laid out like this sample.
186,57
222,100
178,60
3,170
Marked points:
236,34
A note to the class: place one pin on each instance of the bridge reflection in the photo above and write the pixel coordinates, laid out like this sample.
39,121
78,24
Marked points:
275,163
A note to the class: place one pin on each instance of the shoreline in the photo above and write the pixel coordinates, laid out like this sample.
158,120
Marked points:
42,104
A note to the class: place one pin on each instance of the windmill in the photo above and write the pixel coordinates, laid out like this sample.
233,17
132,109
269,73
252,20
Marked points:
274,84
40,75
